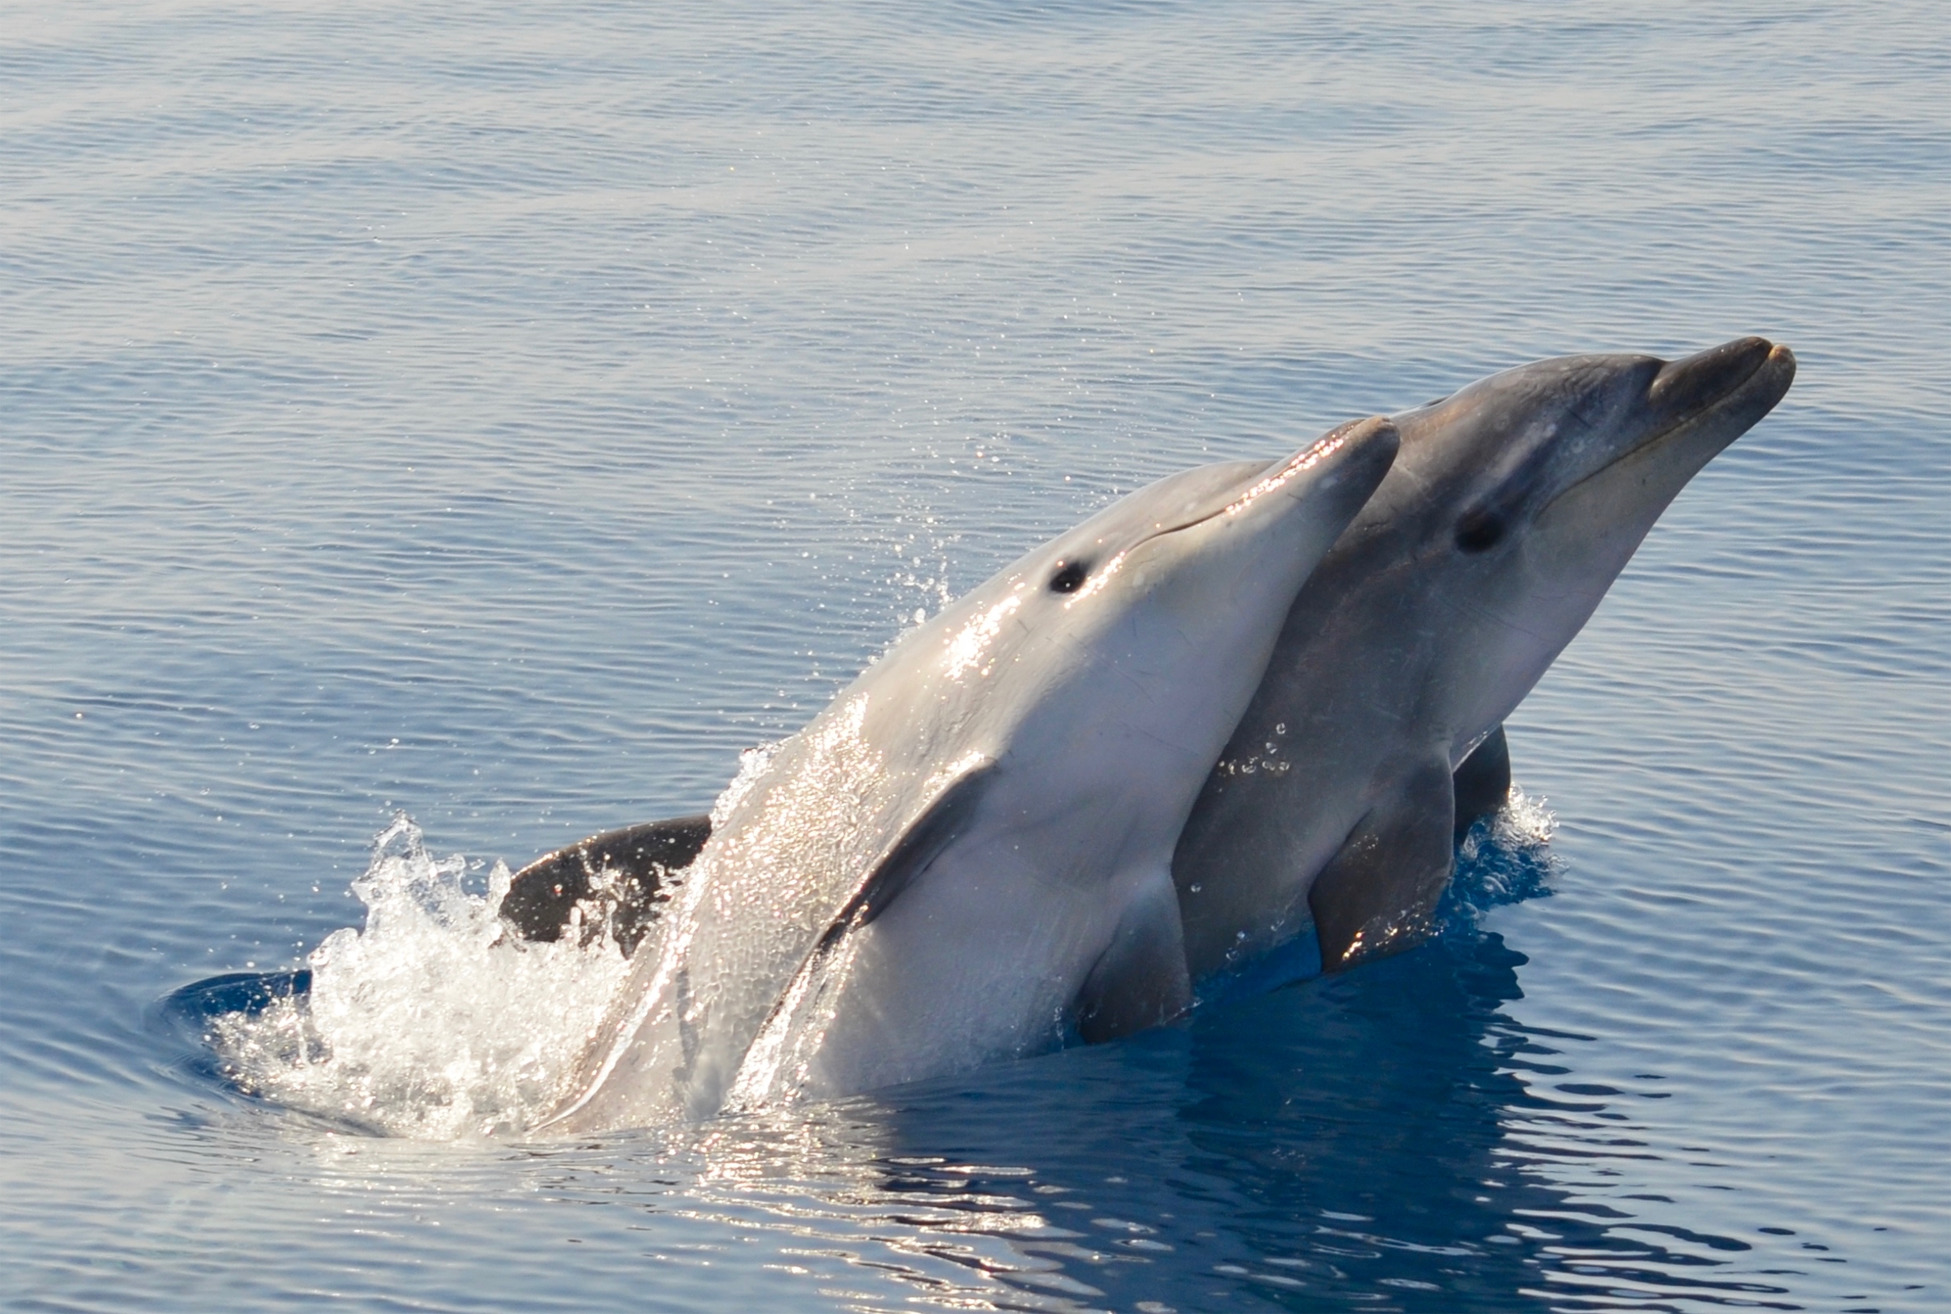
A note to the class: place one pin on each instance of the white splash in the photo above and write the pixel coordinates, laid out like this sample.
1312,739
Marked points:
433,1022
753,763
1507,860
1524,821
436,1022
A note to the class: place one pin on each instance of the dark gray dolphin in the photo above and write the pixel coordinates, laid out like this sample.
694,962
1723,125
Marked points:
1511,509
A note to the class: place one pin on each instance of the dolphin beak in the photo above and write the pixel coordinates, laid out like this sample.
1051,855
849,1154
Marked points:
1698,383
1694,407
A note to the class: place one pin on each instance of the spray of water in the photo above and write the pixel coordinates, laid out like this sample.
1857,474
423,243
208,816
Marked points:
1505,859
434,1021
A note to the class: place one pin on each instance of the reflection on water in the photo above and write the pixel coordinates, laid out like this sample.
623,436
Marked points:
1389,1139
1392,1139
509,416
1395,1142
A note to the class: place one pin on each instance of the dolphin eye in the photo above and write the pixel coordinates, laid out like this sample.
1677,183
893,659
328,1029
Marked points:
1479,531
1069,577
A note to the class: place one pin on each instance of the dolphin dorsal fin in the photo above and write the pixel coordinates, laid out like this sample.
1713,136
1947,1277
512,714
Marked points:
621,876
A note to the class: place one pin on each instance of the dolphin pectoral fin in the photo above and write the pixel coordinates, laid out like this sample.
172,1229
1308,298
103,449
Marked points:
1482,782
621,876
934,828
1140,979
1376,895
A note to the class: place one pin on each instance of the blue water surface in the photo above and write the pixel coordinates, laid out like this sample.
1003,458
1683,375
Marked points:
509,413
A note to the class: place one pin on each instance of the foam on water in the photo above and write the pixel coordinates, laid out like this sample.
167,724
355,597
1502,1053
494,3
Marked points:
435,1021
1505,858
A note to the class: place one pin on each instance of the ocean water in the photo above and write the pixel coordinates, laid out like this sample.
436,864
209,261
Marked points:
506,416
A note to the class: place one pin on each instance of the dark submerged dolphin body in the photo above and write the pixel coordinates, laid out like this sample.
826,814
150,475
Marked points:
1377,732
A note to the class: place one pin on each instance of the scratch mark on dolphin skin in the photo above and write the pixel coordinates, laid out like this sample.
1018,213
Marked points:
1460,608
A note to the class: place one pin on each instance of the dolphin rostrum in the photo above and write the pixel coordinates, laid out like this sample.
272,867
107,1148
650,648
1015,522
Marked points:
1512,507
967,852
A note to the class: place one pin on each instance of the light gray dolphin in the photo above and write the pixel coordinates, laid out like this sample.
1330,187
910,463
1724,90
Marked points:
1512,507
967,852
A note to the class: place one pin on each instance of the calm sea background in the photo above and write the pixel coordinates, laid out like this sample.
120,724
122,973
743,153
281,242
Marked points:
508,413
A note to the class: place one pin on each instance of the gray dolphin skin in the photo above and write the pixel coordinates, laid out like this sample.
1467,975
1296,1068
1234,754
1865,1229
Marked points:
1512,507
965,856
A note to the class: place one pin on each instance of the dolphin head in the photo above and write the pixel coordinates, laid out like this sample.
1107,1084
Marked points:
1045,739
1521,497
1146,628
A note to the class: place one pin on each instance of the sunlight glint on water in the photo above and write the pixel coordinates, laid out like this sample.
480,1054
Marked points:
508,415
435,1022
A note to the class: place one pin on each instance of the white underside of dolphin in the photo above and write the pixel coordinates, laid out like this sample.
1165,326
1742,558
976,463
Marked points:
967,855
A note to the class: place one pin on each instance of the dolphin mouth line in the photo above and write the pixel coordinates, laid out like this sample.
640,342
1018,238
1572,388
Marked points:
1732,393
1263,484
1305,459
